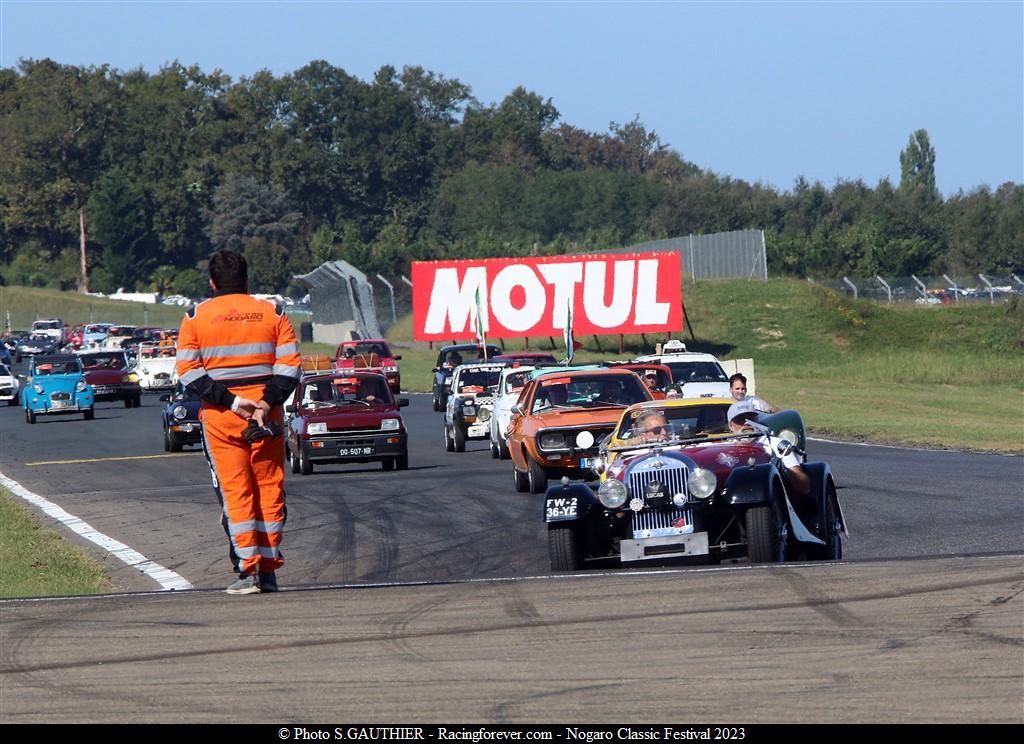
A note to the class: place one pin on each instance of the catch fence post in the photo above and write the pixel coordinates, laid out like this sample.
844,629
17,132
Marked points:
956,289
852,286
888,289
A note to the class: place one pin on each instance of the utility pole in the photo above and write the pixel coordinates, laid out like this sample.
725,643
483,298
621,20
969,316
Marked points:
83,281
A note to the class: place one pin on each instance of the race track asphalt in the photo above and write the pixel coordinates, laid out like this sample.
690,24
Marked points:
480,640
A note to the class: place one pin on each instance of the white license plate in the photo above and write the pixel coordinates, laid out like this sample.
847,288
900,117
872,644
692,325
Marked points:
59,404
586,461
353,451
478,431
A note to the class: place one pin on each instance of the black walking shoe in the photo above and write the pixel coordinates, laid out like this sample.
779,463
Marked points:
268,582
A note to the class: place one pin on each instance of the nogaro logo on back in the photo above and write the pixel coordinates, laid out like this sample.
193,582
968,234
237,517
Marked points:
233,316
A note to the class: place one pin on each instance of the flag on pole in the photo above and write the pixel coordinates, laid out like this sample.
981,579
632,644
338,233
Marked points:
570,342
481,335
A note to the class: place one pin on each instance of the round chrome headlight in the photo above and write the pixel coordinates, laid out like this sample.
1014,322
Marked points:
702,483
612,493
179,412
584,440
38,389
788,434
485,414
80,386
469,410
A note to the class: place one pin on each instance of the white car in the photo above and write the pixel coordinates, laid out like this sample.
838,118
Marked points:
468,410
155,367
10,386
52,327
510,385
695,375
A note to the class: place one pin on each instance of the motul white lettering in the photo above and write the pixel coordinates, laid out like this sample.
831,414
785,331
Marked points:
454,303
563,277
526,317
615,314
648,310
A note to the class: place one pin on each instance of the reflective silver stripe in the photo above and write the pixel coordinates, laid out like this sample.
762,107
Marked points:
287,370
237,528
191,355
269,527
285,349
191,376
233,373
244,553
236,350
269,552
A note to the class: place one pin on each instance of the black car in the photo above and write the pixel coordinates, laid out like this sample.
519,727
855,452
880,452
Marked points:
450,357
180,419
36,344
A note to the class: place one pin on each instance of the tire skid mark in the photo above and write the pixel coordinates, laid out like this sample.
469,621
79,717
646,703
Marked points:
397,625
607,618
819,600
500,713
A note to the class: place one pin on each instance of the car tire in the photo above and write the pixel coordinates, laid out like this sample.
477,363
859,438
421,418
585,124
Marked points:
167,440
520,480
536,478
449,445
388,463
503,453
832,550
12,402
305,466
767,534
89,414
30,416
435,402
564,548
137,401
293,460
402,461
175,444
458,439
127,402
494,450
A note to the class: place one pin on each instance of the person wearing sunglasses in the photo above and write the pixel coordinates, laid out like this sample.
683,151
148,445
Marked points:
651,426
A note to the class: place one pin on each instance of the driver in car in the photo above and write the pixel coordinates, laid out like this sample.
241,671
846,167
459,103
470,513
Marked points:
793,473
651,426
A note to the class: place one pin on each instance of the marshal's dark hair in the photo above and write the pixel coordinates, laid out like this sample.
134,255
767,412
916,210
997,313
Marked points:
739,377
229,271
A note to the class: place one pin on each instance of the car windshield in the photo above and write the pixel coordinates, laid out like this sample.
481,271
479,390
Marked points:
104,360
515,382
46,325
56,368
684,421
366,348
37,339
477,380
341,391
592,391
697,372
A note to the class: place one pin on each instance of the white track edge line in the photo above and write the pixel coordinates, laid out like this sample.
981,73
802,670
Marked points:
936,450
165,577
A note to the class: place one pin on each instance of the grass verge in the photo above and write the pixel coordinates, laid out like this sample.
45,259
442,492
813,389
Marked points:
39,562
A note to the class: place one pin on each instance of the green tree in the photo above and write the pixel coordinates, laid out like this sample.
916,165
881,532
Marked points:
917,165
117,213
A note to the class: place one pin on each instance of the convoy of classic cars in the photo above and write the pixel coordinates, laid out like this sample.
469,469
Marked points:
690,488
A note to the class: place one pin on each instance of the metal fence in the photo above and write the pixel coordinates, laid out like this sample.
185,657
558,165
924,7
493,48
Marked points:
739,254
930,290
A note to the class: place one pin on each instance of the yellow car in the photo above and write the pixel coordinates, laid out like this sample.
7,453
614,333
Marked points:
687,418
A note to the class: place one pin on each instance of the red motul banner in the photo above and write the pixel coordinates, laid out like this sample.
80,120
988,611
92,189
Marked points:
531,296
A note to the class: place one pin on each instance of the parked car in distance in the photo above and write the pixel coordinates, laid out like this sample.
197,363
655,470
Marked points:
56,386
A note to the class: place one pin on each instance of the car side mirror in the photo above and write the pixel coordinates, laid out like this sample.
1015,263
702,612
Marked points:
397,358
403,402
290,409
517,409
165,399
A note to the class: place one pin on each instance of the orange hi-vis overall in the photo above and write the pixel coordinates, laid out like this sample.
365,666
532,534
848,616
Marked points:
242,343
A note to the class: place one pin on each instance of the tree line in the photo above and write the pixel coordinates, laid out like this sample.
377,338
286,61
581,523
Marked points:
297,169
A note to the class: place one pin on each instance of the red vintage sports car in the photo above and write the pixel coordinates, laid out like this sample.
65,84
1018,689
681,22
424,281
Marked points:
370,353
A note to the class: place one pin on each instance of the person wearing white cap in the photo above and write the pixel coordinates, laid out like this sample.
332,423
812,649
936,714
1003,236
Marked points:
792,469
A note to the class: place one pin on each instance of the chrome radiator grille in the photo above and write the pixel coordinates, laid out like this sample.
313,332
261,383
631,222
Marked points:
672,476
60,396
661,523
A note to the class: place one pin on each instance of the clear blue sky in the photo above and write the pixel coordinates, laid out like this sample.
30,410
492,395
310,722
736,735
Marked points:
763,91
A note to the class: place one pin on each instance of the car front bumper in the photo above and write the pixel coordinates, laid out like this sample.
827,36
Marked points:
355,447
188,432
